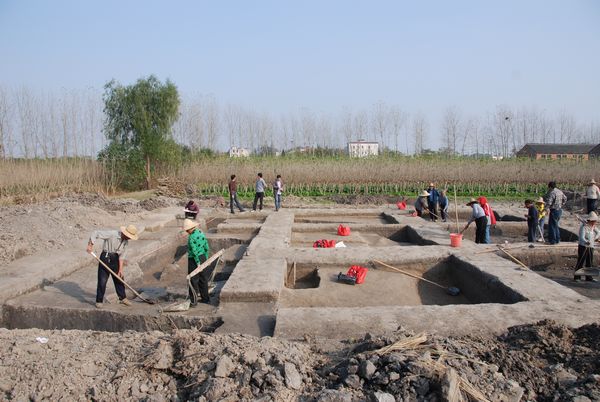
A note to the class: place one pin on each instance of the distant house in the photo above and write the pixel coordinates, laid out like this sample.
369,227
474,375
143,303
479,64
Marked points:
362,149
235,152
560,151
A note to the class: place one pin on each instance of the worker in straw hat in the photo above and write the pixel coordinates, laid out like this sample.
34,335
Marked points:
198,251
478,216
421,203
592,193
540,205
114,250
589,233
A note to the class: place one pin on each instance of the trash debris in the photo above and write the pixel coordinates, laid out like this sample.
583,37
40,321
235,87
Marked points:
41,339
340,244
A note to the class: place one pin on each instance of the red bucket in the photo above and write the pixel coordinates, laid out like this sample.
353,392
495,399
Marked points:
455,239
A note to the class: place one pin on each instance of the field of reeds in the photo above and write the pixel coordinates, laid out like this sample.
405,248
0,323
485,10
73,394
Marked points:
306,176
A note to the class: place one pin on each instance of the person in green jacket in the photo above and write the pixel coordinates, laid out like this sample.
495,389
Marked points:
198,251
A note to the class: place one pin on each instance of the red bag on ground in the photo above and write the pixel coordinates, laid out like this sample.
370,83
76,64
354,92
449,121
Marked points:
343,230
401,205
323,243
358,272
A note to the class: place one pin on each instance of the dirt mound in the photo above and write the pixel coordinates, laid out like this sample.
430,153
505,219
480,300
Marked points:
540,362
61,222
360,199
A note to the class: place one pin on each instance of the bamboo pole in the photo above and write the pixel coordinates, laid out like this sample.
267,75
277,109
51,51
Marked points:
512,257
456,209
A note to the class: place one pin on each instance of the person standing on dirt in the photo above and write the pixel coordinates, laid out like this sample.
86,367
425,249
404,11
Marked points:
540,205
259,189
491,218
478,216
198,251
592,193
443,205
191,209
588,235
114,250
555,199
277,190
233,200
432,201
532,220
421,203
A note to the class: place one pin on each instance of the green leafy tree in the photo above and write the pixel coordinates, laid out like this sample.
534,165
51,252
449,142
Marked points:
138,122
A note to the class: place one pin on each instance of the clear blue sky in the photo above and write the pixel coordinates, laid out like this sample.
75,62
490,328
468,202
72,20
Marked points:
277,56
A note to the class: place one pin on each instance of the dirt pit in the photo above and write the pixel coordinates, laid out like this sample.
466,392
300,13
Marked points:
373,219
317,285
557,264
368,236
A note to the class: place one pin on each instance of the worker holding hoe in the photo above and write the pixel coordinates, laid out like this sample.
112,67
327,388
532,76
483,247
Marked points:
589,233
114,249
198,251
478,216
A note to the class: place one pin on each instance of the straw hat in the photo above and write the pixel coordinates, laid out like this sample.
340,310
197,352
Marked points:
592,181
473,201
592,217
130,231
540,201
189,224
431,184
424,194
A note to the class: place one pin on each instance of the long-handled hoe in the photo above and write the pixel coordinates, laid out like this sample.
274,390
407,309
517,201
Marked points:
452,291
121,280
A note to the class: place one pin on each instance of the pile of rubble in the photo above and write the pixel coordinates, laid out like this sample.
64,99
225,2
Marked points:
541,362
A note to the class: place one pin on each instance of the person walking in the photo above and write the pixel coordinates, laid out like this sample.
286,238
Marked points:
592,193
277,190
114,250
421,203
478,216
198,251
259,189
588,235
555,199
490,216
443,205
540,205
432,201
532,220
233,200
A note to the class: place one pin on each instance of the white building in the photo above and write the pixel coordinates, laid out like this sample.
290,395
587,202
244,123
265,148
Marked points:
235,152
362,149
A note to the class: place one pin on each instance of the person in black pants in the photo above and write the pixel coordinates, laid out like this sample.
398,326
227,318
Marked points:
259,191
432,201
588,235
532,220
480,220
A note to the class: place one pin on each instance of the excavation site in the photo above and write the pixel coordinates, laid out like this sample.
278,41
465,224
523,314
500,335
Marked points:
280,283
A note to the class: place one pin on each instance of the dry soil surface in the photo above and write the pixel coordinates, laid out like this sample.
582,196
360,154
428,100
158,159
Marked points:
543,362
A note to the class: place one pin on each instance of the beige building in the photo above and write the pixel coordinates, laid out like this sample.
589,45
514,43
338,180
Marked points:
235,152
362,149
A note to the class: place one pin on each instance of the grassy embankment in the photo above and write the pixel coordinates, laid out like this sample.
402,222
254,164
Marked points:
305,176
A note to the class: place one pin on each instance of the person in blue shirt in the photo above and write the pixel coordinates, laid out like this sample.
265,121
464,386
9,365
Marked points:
432,201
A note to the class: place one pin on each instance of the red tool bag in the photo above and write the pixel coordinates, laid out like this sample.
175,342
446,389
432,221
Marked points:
323,243
358,272
343,230
401,205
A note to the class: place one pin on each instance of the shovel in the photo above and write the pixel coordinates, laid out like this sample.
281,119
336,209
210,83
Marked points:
120,279
452,291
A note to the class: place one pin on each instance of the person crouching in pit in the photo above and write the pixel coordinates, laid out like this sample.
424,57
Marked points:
589,233
198,251
114,249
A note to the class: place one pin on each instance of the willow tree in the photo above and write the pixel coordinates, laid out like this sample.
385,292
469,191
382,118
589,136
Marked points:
138,122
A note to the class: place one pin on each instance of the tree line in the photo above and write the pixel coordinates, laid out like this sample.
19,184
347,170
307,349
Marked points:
67,123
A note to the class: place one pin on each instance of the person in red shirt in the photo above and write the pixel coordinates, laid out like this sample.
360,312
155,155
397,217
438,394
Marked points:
233,200
491,218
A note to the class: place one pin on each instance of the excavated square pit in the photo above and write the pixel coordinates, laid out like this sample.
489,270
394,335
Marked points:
557,264
316,285
346,219
508,232
360,236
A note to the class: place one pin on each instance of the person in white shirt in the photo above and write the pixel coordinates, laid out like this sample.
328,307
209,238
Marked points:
588,235
592,193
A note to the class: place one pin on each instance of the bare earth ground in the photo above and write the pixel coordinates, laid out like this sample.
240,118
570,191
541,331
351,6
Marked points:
545,361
